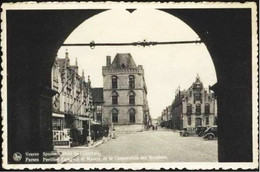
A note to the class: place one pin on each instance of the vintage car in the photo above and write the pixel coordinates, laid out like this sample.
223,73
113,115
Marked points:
188,132
211,133
200,130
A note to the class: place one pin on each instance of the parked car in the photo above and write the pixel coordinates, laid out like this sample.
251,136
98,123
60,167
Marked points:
211,133
188,132
200,130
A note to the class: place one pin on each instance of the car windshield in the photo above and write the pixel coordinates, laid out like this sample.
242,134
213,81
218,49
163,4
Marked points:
208,129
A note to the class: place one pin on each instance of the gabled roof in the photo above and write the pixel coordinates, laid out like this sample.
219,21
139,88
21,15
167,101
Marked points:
123,60
97,95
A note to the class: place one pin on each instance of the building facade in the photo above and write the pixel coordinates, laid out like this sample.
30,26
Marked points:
166,120
71,102
196,106
199,106
98,101
125,94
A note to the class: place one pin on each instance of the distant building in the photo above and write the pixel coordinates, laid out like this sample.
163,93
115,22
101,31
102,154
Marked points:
71,103
125,94
190,108
167,120
194,107
98,101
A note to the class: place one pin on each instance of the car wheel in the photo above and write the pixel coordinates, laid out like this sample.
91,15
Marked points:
210,137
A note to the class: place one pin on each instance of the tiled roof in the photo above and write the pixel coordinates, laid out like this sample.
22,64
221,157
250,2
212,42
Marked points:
123,60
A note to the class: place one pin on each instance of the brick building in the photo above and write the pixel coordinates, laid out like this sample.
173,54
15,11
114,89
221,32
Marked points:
125,94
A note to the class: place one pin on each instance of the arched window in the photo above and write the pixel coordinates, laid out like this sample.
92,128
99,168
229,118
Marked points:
131,81
114,115
207,108
114,81
189,109
131,98
114,98
198,109
132,115
189,120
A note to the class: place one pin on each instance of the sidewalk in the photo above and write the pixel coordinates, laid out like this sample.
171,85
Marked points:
95,144
165,129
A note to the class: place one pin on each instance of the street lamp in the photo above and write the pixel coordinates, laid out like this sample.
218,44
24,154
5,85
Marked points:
112,127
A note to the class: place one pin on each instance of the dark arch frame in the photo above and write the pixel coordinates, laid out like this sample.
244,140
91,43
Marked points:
32,47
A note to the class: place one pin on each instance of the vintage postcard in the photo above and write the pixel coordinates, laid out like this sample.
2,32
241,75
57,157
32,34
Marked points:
105,85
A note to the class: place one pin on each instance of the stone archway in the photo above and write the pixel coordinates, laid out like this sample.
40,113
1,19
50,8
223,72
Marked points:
32,47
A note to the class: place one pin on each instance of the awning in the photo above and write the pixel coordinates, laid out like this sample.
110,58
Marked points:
95,123
83,118
58,115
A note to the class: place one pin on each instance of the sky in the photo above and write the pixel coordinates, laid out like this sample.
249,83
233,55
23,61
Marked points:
166,67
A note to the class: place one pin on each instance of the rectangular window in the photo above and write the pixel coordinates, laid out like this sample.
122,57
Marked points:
114,82
198,110
207,109
215,120
207,120
99,117
131,82
99,109
197,97
56,124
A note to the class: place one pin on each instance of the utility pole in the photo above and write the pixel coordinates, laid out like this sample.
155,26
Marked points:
112,127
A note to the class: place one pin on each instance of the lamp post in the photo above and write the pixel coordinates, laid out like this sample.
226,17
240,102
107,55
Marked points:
112,127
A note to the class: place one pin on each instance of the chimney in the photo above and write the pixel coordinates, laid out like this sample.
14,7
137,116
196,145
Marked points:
108,60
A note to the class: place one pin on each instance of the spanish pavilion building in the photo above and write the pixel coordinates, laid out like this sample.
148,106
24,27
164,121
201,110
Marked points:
125,95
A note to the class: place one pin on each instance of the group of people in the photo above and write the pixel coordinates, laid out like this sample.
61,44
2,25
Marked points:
153,127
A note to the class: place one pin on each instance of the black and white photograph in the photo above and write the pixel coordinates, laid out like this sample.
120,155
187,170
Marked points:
91,85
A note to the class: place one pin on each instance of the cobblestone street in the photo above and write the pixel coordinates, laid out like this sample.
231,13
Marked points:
148,146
